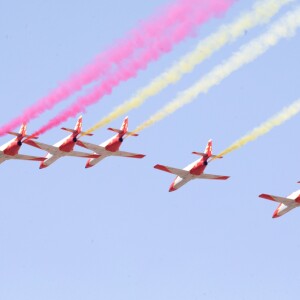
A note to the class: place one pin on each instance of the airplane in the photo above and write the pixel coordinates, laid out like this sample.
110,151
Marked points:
111,146
62,148
286,204
192,171
10,150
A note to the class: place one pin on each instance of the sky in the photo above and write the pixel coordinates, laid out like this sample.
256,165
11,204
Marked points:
114,231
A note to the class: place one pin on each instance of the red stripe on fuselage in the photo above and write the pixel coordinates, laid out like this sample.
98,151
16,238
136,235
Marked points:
12,149
199,167
114,144
68,144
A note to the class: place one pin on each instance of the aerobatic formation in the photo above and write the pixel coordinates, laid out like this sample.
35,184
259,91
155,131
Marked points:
147,43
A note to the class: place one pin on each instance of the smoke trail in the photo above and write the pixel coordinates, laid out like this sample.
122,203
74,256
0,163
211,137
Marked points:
261,13
132,67
265,127
283,28
156,28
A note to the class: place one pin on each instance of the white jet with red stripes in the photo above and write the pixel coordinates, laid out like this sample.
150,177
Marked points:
62,148
286,204
192,171
111,146
10,150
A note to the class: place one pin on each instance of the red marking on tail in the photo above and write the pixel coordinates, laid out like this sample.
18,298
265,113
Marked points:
124,127
22,130
208,149
78,125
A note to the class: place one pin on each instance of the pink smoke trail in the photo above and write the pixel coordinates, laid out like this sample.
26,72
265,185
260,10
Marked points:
140,37
162,44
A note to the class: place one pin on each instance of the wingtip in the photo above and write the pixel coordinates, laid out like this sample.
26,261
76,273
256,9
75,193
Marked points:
275,215
88,164
266,196
43,166
172,188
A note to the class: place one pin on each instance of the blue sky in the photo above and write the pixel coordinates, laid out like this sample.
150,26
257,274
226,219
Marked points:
114,231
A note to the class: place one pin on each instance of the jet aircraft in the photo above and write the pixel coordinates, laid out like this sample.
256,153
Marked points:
192,171
10,150
111,146
62,148
286,204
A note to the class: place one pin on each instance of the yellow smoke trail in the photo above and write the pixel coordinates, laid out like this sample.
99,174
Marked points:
283,28
261,13
265,127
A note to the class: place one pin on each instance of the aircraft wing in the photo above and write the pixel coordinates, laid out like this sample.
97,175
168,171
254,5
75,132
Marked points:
210,176
49,148
28,157
82,154
127,154
283,200
179,172
96,148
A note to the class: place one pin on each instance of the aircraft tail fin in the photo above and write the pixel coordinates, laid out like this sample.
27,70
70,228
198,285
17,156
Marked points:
77,128
78,125
124,129
23,129
207,151
208,148
22,132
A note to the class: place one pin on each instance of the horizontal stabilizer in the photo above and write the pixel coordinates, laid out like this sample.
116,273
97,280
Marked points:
179,172
115,130
86,133
203,154
130,133
199,153
75,131
68,129
24,136
31,137
216,156
13,133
